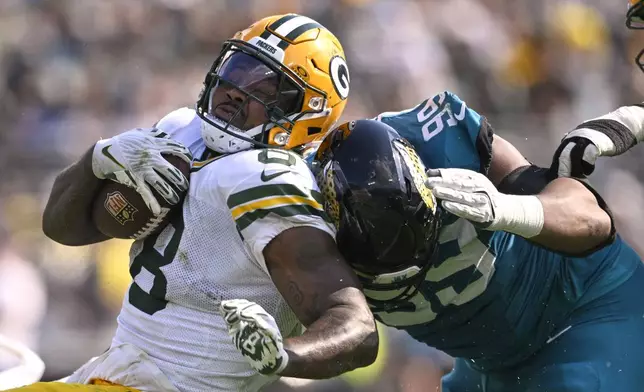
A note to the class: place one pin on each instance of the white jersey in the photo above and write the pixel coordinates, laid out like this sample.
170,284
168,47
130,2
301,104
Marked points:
213,251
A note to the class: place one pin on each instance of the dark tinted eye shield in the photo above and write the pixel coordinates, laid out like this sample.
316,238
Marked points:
258,81
276,110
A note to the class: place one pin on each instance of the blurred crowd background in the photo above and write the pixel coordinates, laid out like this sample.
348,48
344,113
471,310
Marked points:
72,71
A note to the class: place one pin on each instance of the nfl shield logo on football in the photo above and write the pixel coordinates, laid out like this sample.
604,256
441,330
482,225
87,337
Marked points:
121,209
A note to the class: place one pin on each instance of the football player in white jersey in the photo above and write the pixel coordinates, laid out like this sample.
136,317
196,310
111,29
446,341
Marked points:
252,255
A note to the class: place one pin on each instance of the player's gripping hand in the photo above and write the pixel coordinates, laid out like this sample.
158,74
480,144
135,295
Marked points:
609,135
256,336
133,158
576,155
472,196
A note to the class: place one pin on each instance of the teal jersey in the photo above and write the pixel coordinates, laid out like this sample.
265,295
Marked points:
445,133
491,297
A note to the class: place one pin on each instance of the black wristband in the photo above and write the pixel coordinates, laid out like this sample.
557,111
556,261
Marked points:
618,133
525,180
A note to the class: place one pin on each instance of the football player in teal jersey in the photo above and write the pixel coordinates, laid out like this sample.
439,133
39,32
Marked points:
519,276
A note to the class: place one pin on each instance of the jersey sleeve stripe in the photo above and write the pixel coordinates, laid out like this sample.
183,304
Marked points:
284,211
198,165
272,190
317,196
272,202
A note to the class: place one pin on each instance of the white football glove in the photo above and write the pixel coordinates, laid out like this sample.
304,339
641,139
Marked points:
470,195
256,335
577,154
608,135
133,158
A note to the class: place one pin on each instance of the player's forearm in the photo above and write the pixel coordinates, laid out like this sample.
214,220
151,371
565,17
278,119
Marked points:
67,217
343,339
564,216
573,221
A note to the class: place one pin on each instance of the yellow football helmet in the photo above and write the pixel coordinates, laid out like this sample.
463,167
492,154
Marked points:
282,82
635,20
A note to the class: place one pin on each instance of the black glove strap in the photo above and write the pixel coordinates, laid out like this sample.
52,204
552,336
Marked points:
618,133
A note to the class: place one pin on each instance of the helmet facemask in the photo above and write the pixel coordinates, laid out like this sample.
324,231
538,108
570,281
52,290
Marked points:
247,94
635,21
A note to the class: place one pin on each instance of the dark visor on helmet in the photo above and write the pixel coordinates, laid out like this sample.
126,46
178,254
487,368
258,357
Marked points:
246,88
243,81
263,83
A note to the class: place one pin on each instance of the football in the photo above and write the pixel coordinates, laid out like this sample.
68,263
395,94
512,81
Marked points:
120,212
